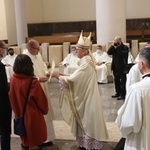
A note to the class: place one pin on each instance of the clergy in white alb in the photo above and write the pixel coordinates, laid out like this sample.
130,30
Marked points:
133,76
80,101
41,71
101,58
70,62
133,117
8,61
137,57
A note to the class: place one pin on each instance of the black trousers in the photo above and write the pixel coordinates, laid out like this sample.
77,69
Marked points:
120,83
120,144
5,130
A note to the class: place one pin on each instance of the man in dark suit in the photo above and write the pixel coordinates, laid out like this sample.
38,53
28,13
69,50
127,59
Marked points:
119,53
5,109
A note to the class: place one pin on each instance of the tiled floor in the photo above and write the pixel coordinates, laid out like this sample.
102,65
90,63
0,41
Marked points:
110,107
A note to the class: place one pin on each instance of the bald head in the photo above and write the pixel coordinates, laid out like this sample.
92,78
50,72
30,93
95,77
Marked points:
33,47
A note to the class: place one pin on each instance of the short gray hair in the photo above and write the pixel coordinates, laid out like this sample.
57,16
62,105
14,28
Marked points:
144,54
118,37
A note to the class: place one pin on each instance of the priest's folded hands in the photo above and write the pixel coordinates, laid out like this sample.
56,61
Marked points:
98,63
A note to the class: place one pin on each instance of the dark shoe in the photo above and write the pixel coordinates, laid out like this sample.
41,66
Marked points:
121,98
36,148
101,83
46,144
120,144
24,147
115,96
82,148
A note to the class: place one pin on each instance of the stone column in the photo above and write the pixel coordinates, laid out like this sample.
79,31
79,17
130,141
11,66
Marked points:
10,22
110,20
21,21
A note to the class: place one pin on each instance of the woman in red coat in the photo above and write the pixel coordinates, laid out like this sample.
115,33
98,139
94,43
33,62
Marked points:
37,104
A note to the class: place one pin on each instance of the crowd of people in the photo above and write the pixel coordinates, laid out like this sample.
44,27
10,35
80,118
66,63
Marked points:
80,100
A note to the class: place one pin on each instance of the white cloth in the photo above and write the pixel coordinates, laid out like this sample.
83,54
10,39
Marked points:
80,102
71,60
69,69
133,76
40,70
8,59
102,69
130,58
133,117
137,59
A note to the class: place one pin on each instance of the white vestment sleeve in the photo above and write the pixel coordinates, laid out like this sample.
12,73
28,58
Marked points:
130,114
66,60
43,63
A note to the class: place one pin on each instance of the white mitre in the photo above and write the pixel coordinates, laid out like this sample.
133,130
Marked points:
84,42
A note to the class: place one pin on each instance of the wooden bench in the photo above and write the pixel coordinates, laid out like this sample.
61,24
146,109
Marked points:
75,33
59,38
140,35
146,35
134,35
54,39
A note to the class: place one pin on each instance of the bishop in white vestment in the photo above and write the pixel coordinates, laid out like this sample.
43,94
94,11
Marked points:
80,101
133,117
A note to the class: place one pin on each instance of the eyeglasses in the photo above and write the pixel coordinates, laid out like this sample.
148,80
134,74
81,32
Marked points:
35,48
78,48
